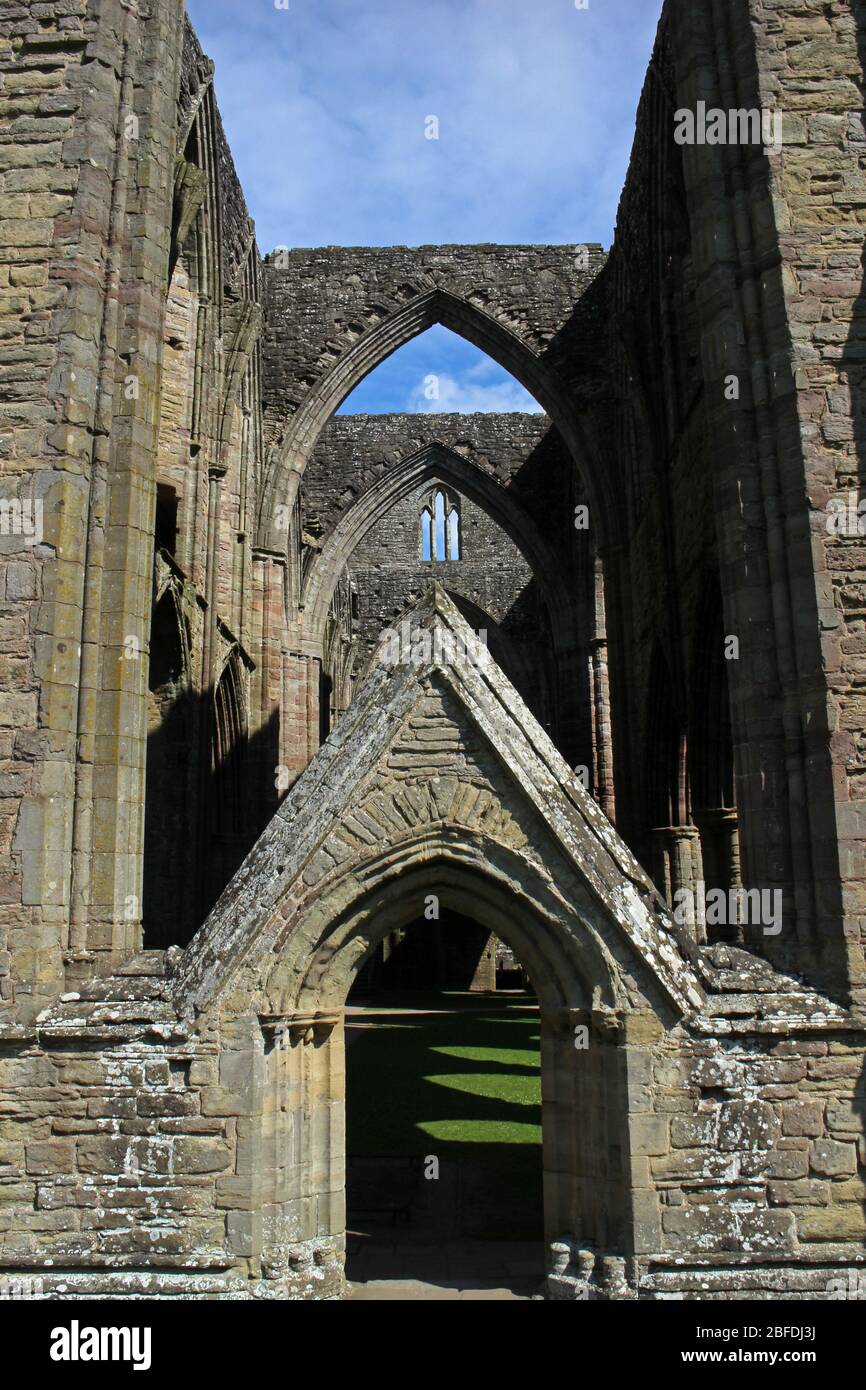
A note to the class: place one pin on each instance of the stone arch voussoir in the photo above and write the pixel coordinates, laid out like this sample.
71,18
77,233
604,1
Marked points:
337,923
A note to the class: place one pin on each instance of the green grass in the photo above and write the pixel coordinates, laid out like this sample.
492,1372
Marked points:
465,1086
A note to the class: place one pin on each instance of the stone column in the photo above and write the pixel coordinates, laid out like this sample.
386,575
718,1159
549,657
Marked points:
299,730
603,743
484,979
303,1189
268,635
677,866
720,848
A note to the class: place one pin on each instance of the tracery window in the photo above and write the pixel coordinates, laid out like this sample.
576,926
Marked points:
440,528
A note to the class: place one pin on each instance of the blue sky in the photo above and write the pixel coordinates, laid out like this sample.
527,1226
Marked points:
326,107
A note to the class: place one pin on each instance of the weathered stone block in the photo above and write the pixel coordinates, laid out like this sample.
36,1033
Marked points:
50,1156
844,1222
201,1155
803,1118
832,1158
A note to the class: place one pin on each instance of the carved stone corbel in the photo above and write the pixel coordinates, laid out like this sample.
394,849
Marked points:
287,1030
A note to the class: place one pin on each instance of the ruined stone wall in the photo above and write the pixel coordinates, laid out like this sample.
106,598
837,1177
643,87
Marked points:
768,248
811,66
142,1163
133,1136
207,469
660,569
734,428
355,451
38,74
331,314
124,1169
750,1132
86,150
720,1150
504,594
319,301
492,578
112,390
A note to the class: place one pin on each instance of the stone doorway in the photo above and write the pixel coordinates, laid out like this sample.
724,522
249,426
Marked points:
582,1184
443,1123
437,786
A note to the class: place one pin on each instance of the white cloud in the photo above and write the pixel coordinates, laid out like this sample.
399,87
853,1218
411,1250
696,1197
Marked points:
325,104
466,396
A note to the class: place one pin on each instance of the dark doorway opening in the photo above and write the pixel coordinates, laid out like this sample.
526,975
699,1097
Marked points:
446,951
443,1122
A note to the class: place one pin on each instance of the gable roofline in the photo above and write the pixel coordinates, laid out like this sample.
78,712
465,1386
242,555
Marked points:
232,935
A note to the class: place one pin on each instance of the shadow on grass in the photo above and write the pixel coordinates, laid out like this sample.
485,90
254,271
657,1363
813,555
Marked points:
462,1087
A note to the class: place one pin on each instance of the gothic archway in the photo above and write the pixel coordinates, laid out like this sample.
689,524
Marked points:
438,781
434,463
421,311
581,1193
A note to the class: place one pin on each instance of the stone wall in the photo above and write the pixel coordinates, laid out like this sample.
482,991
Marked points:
333,313
720,1151
789,742
521,573
87,153
522,451
179,539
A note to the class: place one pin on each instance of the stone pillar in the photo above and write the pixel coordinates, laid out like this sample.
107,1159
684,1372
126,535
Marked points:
484,979
602,739
303,1189
720,846
267,636
299,729
720,849
80,832
677,866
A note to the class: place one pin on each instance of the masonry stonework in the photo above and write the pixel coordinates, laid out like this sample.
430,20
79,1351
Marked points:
216,795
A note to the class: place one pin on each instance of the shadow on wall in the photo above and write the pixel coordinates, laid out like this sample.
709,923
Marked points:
451,952
201,817
549,488
521,646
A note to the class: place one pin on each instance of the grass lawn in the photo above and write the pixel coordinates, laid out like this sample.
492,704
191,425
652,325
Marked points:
465,1086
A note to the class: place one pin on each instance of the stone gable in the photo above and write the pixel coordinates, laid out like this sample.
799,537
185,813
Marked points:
438,740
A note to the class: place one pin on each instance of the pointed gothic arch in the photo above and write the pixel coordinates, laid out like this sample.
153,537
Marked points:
419,312
506,836
436,464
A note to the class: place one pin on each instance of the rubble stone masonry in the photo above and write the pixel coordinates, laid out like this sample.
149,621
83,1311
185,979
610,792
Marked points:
209,775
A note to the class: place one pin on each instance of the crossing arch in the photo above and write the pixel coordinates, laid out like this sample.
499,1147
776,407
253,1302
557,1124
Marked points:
289,455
